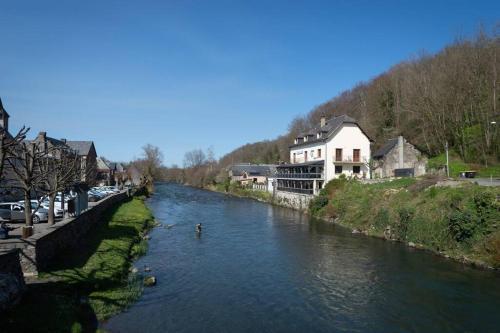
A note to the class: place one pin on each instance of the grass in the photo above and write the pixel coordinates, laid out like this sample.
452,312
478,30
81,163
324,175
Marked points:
460,221
241,191
90,285
457,165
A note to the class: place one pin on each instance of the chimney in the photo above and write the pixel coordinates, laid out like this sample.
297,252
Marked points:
401,144
323,121
42,136
63,140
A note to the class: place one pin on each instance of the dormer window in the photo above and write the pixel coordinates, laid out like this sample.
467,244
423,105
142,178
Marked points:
305,138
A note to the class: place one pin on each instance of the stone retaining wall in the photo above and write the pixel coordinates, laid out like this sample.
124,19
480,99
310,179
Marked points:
293,200
38,251
11,278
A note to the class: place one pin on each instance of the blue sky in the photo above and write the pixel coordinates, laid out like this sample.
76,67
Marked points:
192,74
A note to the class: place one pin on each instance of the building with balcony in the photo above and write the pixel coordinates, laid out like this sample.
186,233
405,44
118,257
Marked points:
338,146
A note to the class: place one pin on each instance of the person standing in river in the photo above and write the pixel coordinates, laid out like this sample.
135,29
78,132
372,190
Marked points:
198,228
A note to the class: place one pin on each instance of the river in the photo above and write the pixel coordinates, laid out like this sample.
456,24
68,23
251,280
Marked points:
260,268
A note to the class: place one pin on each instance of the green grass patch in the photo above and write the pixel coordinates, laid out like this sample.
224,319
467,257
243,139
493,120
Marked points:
242,191
457,165
89,285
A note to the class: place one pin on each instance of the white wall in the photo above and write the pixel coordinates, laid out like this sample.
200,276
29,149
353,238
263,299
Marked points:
348,138
310,158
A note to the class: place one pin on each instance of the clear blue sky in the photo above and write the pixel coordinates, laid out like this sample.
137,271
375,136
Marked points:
192,74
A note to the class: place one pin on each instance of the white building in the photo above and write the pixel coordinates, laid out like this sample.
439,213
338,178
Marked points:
336,147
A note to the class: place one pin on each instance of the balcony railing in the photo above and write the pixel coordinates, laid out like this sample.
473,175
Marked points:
296,190
350,159
299,175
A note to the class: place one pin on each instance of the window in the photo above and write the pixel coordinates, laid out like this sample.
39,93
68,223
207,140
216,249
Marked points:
305,156
338,169
319,153
356,169
338,154
355,155
294,157
312,153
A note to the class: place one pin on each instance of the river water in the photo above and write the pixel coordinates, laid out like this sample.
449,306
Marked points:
259,268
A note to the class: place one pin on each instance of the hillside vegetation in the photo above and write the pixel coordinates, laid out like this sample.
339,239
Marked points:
432,99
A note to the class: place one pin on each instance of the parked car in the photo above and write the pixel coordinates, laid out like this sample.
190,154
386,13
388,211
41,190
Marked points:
96,195
4,215
58,212
57,202
17,212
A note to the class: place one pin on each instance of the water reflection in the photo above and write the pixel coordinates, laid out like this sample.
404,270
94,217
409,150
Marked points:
259,268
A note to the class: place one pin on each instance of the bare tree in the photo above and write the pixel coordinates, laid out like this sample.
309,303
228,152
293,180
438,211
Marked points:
61,165
194,158
25,163
8,143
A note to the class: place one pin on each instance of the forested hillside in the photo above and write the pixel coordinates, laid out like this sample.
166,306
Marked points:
451,96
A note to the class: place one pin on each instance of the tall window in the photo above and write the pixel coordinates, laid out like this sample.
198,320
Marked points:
294,157
319,153
305,156
338,154
355,155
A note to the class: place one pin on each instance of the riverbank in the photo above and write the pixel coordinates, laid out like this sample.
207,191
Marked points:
460,222
89,286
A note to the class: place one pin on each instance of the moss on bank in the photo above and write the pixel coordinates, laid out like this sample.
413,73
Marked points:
462,222
89,285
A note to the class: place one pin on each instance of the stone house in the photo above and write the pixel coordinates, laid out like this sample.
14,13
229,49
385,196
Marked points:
398,158
118,173
88,156
103,172
247,174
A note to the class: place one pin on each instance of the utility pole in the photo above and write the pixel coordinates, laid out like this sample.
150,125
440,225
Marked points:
447,161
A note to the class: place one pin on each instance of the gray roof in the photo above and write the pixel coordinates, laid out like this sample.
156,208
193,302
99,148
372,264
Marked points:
330,127
82,147
391,143
253,169
116,166
101,165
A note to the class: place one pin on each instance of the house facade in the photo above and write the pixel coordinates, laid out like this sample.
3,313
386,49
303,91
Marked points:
88,157
338,146
103,176
398,158
247,174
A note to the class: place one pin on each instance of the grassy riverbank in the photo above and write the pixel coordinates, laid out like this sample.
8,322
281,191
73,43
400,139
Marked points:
461,222
92,284
240,191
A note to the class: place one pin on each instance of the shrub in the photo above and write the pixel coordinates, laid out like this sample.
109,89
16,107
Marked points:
318,203
381,220
405,217
462,225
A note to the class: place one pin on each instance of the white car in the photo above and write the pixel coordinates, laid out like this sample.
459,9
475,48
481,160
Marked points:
58,209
